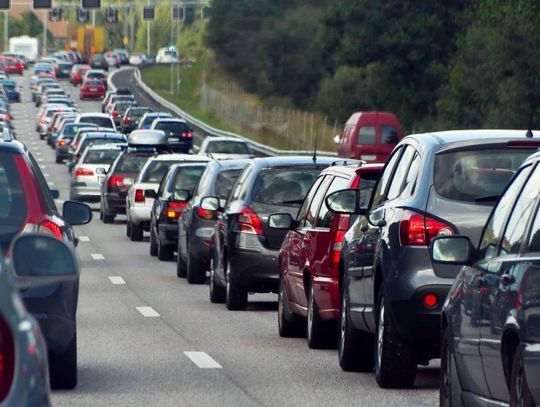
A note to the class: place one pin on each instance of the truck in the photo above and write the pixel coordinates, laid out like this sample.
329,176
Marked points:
88,41
28,46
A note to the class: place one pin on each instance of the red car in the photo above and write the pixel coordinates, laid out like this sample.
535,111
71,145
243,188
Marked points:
310,255
92,89
14,65
77,74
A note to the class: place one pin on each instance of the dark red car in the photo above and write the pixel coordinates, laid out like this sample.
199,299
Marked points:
310,254
14,65
77,74
92,89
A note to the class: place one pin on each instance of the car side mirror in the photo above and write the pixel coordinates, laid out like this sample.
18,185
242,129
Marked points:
451,250
345,202
55,193
282,221
182,195
101,171
38,259
210,203
76,213
150,193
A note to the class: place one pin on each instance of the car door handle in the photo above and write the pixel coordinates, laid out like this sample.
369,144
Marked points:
507,279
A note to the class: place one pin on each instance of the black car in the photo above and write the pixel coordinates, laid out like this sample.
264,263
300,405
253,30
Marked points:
245,248
64,69
132,117
433,185
98,61
65,137
196,225
491,347
175,190
179,134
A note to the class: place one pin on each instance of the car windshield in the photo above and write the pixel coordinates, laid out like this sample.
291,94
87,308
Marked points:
9,84
71,129
473,174
187,177
156,170
12,199
101,156
283,186
132,163
167,127
225,181
100,121
227,147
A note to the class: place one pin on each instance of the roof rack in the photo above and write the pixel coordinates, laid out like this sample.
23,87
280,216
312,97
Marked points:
7,135
347,162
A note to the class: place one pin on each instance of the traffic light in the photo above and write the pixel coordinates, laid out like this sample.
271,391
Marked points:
112,15
178,13
91,4
148,13
5,4
42,4
82,15
55,14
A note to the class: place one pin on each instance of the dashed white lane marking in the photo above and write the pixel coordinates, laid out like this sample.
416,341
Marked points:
38,153
40,159
117,280
46,174
203,360
84,239
59,202
97,256
43,167
51,184
148,312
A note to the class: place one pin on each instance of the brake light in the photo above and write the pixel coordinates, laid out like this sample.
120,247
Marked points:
524,143
127,120
115,114
205,213
7,117
174,209
61,143
50,228
84,172
115,181
418,230
7,358
247,221
187,134
139,196
431,301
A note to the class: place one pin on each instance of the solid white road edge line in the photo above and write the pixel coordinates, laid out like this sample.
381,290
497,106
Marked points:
97,256
148,312
117,280
203,360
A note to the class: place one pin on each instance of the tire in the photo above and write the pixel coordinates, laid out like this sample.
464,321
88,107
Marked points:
395,359
355,349
128,229
181,266
216,292
153,243
320,334
107,218
58,160
289,325
520,394
164,252
136,232
63,367
450,388
196,272
235,297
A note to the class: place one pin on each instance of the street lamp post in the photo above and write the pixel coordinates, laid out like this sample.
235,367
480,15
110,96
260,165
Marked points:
45,18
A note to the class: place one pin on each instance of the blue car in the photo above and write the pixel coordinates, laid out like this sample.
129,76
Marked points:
12,90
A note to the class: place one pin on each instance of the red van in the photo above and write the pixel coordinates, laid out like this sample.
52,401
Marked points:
370,136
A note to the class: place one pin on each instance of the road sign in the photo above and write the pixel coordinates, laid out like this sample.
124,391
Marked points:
91,4
178,13
148,13
5,4
82,15
42,4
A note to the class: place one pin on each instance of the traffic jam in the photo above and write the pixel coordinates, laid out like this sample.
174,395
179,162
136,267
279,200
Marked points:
419,251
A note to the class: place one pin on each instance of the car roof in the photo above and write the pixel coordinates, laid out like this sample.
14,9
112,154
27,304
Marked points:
95,114
178,156
111,146
170,119
100,134
224,138
282,161
472,136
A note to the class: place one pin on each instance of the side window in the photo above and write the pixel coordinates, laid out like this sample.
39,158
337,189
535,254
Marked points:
43,186
316,203
366,135
240,183
389,135
409,186
534,240
324,219
494,228
309,197
515,231
378,195
163,183
402,170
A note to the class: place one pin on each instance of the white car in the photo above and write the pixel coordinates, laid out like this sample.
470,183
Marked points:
101,119
221,148
166,56
137,59
138,204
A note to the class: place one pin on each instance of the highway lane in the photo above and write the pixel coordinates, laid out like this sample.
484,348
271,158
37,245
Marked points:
126,358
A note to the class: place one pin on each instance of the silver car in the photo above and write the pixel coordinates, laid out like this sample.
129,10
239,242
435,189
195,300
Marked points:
89,172
221,148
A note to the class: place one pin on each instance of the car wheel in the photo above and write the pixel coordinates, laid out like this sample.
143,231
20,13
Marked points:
355,349
128,228
63,367
58,160
217,292
153,243
196,272
235,297
181,266
395,359
164,252
136,232
520,394
320,334
289,325
450,389
107,218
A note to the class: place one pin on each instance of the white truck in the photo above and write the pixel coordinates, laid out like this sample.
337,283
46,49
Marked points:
28,46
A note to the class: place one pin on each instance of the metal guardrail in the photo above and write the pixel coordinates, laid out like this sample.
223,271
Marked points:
209,130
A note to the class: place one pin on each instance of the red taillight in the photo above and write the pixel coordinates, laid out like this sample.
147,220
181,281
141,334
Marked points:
431,301
139,196
7,117
418,230
205,213
187,134
7,358
174,209
115,181
52,228
84,172
247,221
61,143
115,114
343,222
127,120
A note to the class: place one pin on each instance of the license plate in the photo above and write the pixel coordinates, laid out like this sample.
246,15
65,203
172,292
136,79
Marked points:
93,89
368,157
174,139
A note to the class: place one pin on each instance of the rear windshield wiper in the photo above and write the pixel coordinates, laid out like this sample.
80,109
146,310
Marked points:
294,201
486,198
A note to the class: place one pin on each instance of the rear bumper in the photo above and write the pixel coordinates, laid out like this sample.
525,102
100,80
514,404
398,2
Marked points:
140,214
114,202
92,95
168,234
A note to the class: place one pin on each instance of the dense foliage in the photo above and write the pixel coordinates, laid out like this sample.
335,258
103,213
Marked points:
436,64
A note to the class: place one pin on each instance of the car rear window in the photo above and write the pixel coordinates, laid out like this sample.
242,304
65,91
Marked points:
101,156
171,126
187,178
476,175
70,130
284,186
98,141
156,170
93,83
225,181
227,147
132,162
9,85
100,121
122,107
137,113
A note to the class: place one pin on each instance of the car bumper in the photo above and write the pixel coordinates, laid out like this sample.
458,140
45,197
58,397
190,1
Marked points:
168,233
140,214
92,95
181,145
86,193
115,203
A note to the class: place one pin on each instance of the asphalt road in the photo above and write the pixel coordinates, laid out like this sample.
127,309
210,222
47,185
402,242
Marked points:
129,359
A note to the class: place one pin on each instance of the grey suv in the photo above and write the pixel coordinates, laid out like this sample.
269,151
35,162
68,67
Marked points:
433,185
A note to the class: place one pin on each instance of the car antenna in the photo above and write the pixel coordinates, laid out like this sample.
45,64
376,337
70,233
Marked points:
314,158
529,133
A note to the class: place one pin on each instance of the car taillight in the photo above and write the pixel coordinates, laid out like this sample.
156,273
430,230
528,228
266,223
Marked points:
7,358
247,221
187,134
337,241
174,209
84,88
7,117
115,114
127,120
61,143
139,196
84,172
205,213
50,228
115,181
418,230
